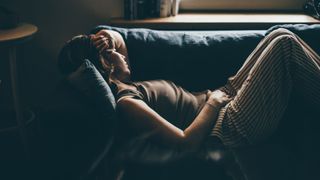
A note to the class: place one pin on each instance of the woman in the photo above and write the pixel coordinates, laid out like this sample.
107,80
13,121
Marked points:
245,111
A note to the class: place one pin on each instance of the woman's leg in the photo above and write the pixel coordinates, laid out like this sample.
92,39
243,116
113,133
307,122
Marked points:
262,88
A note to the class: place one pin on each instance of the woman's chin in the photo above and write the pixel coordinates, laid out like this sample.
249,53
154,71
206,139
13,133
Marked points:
126,76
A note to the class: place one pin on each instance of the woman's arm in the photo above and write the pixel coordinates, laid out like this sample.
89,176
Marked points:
144,119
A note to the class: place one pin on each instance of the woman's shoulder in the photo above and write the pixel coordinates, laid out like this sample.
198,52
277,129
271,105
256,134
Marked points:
152,83
129,93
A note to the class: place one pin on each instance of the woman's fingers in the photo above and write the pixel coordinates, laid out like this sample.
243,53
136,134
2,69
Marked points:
101,40
228,99
95,38
101,43
220,97
109,36
105,34
103,48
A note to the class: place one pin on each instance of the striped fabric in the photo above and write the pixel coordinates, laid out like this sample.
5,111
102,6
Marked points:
263,85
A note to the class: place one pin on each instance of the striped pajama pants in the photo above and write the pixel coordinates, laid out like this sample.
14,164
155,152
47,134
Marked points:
281,63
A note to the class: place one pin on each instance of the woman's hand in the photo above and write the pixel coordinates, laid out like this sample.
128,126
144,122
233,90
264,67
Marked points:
218,98
103,40
109,40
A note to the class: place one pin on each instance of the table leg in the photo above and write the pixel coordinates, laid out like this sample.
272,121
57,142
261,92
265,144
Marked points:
16,100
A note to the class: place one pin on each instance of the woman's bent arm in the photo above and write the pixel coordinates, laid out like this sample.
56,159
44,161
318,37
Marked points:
144,119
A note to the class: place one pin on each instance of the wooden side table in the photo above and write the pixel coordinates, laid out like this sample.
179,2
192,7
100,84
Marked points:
10,39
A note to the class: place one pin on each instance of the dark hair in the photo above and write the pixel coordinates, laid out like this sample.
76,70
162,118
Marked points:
75,51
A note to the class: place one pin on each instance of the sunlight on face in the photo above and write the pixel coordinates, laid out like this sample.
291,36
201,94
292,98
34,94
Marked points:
121,68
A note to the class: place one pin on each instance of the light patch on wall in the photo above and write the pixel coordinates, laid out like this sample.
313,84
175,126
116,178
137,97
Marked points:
104,8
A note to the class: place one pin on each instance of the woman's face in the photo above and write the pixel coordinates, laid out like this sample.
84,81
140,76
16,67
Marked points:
121,68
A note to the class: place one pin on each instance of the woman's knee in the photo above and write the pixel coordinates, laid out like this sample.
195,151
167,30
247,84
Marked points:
284,40
280,32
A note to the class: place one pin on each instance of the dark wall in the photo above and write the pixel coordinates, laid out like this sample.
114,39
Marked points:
58,21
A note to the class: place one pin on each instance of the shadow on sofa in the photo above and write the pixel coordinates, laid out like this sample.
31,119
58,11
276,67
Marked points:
78,137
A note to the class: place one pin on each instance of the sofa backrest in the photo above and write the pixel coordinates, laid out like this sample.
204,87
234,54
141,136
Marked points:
196,60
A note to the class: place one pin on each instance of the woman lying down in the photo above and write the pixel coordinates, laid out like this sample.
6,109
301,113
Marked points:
234,113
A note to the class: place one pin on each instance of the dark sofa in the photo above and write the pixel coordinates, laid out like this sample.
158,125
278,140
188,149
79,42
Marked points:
77,137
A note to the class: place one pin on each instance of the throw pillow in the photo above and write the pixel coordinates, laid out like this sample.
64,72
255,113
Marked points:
95,89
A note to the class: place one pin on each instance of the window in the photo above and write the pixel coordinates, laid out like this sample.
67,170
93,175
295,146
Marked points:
250,5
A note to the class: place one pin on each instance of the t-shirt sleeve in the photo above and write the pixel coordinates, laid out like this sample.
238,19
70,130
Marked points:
129,93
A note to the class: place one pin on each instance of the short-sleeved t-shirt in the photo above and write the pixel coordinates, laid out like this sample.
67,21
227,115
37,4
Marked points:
172,102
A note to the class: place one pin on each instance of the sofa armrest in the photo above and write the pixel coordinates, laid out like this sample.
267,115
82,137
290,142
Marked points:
142,159
76,137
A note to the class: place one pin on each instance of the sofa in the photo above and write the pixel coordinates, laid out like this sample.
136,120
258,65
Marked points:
78,132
